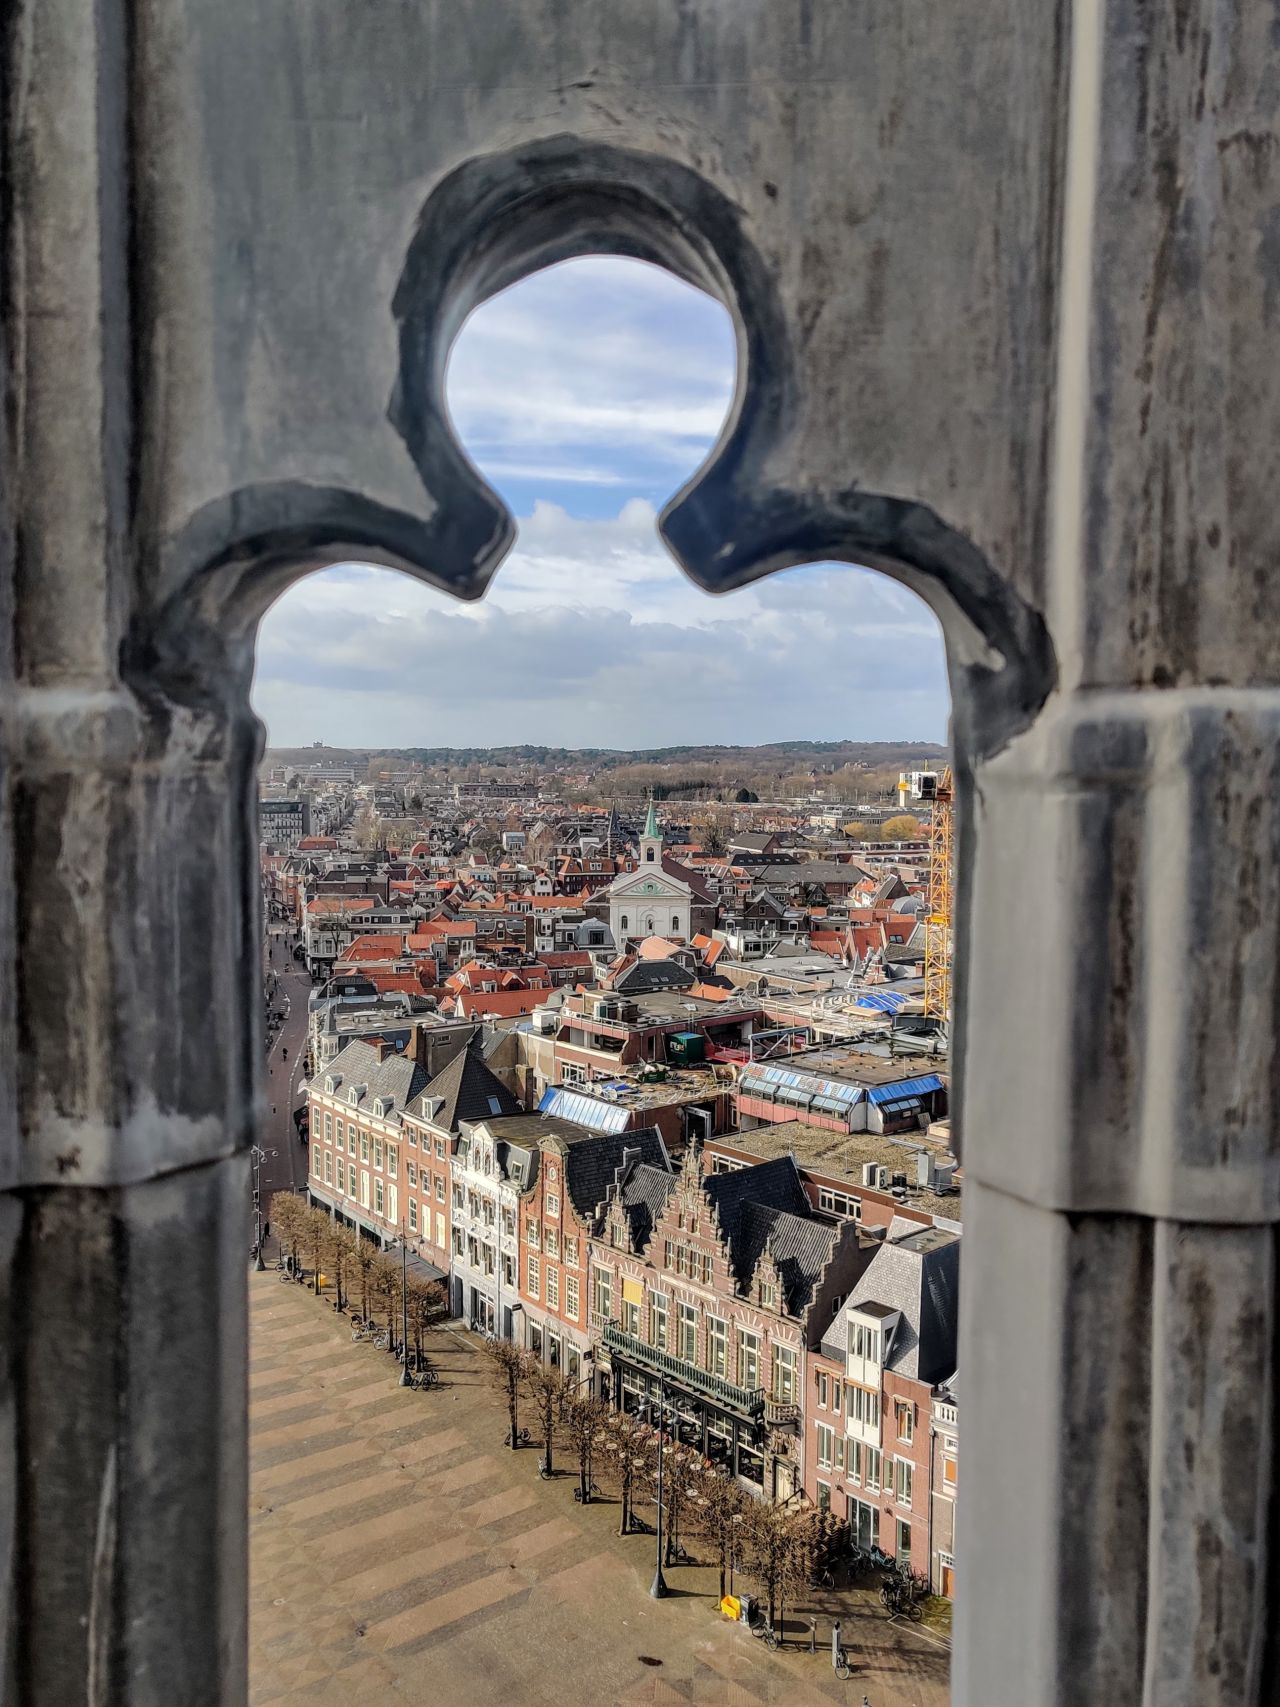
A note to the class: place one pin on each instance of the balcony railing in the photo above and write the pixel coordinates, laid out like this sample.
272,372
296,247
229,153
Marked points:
778,1413
747,1401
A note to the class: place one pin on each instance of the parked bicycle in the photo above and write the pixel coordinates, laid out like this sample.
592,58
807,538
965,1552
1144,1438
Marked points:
593,1488
423,1377
522,1437
899,1598
760,1626
370,1333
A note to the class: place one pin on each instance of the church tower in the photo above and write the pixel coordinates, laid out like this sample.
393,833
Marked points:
651,839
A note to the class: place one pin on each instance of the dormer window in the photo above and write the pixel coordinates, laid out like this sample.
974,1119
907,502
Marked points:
331,1084
768,1296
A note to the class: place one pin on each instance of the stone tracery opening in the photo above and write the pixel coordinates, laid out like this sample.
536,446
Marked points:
822,636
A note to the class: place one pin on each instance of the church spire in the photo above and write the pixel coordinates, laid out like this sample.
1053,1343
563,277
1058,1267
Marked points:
651,822
651,839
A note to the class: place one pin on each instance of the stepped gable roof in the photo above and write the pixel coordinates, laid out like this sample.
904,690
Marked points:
644,1197
919,1277
396,1078
800,1245
772,1185
592,1162
470,1088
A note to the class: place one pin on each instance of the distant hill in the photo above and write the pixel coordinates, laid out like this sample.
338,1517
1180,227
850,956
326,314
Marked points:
822,755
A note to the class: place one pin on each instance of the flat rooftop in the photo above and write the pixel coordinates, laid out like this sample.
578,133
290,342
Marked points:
840,1156
682,1084
861,1066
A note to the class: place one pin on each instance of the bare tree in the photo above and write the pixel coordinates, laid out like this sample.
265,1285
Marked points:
385,1284
582,1419
289,1213
775,1553
718,1508
340,1256
681,1468
509,1369
546,1389
426,1306
629,1449
364,1258
315,1240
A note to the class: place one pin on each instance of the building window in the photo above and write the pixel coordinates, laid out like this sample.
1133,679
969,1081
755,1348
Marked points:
748,1359
413,1216
906,1421
378,1197
535,1277
837,1390
533,1234
393,1158
458,1246
904,1481
658,1320
328,1128
328,1168
552,1204
675,924
572,1073
948,1472
440,1149
631,1318
571,1296
826,1446
413,1138
784,1374
377,1152
864,1407
571,1252
864,1342
624,922
904,1543
717,1347
553,1288
551,1242
824,1496
337,1133
351,1179
687,1348
440,1230
822,1389
458,1199
768,1296
315,1163
508,1269
853,1450
364,1189
604,1294
364,1146
871,1470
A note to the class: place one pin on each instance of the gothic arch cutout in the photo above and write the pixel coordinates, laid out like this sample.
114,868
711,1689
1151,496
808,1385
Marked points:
490,222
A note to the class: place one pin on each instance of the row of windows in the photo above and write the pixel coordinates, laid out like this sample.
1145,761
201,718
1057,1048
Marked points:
548,1241
681,1337
545,1283
864,1465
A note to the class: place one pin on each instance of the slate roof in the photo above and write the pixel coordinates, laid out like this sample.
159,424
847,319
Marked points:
396,1078
469,1088
919,1276
772,1185
644,1196
591,1164
646,976
801,1246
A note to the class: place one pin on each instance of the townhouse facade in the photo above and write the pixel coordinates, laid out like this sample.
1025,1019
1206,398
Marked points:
707,1291
571,1171
355,1111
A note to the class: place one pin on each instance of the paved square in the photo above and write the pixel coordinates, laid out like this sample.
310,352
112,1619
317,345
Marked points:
399,1553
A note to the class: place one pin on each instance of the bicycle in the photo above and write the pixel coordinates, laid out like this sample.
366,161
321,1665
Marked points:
521,1439
761,1627
424,1377
580,1498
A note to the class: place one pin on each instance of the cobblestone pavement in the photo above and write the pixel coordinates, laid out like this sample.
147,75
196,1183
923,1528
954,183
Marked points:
400,1553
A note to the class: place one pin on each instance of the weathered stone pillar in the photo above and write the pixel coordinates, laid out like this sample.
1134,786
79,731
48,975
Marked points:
1122,1082
128,1033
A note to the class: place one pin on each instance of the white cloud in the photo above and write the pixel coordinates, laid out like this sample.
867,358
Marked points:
595,380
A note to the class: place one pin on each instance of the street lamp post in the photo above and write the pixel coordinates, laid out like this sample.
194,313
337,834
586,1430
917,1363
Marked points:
258,1155
658,1587
406,1379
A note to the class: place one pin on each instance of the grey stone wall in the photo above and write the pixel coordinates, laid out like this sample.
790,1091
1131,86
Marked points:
1006,279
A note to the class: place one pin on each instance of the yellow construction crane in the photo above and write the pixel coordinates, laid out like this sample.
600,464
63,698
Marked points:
934,789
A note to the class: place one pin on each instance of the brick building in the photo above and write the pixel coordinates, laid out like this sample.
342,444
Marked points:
710,1289
569,1178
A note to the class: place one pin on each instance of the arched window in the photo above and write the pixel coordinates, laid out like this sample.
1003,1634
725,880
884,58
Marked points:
675,922
648,853
623,922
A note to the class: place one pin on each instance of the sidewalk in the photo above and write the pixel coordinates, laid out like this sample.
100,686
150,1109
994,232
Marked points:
400,1551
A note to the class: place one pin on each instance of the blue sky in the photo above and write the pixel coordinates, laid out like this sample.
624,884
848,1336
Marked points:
587,395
